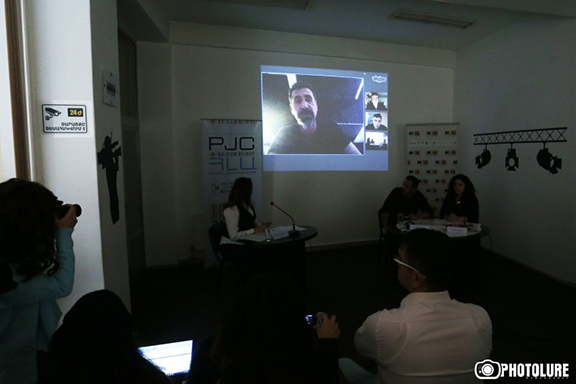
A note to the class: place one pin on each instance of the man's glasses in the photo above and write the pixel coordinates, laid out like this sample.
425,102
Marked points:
400,262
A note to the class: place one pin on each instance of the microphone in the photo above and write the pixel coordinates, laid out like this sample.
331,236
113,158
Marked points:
293,233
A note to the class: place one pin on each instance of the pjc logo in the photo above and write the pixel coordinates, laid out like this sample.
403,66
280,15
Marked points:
379,79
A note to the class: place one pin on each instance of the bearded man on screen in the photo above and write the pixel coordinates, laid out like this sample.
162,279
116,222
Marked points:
309,135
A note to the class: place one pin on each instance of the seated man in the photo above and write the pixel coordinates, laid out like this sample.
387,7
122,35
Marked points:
430,338
376,123
407,200
374,104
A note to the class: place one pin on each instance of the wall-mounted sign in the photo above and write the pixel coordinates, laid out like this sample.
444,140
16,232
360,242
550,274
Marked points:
109,88
64,118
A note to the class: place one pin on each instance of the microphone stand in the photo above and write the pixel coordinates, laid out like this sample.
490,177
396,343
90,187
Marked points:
293,234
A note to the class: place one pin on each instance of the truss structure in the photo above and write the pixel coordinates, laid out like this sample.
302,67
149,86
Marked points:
524,136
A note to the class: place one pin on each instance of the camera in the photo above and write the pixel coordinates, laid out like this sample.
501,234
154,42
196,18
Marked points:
62,210
487,370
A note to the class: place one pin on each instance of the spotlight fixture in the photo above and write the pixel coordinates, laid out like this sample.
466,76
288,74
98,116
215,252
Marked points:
512,160
484,158
549,162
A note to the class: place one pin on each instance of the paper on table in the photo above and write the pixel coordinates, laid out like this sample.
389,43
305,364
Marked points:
256,237
276,233
282,231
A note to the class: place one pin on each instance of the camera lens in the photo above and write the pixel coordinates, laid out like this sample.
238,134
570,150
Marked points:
63,210
487,369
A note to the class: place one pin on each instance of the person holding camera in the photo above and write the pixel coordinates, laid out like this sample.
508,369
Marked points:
431,338
264,337
36,268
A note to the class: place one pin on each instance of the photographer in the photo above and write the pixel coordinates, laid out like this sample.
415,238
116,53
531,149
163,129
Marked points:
36,268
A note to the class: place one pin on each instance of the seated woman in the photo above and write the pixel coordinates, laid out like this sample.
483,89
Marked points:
460,205
95,345
36,268
240,216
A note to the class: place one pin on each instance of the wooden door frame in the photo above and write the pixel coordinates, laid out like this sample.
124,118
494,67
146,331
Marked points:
14,34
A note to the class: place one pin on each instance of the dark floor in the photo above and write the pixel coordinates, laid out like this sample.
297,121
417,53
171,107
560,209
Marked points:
533,317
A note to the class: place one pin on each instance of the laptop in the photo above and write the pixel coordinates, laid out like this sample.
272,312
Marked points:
172,358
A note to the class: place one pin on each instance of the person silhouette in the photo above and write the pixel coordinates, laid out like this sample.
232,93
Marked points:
108,158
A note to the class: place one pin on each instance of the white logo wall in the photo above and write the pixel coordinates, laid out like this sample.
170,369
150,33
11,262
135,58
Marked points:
433,158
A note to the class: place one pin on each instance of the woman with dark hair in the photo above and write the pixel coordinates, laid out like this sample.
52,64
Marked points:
36,268
239,212
460,205
95,345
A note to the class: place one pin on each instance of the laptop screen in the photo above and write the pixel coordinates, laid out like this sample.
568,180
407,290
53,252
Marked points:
171,358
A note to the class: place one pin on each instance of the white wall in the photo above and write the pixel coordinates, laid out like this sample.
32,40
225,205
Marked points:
215,74
522,77
62,67
143,20
154,10
157,152
104,43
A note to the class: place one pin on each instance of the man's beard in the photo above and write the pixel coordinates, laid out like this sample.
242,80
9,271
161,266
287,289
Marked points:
306,116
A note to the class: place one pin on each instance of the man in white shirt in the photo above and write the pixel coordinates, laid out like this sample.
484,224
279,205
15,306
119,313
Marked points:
430,338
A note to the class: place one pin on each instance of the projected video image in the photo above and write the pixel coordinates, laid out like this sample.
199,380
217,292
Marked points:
316,119
376,131
376,141
376,101
312,114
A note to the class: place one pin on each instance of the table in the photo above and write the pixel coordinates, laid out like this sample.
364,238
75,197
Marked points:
401,229
288,253
307,234
468,244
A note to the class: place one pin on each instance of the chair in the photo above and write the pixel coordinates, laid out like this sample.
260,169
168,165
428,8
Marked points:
382,239
215,233
385,242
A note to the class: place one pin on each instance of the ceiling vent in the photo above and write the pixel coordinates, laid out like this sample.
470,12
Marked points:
422,17
291,4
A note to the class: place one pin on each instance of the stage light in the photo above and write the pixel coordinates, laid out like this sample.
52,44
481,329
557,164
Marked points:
512,160
549,162
483,159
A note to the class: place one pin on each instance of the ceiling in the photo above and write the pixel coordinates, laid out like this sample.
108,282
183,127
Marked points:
368,19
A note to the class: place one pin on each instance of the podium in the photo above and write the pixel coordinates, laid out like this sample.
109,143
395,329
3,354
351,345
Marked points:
286,253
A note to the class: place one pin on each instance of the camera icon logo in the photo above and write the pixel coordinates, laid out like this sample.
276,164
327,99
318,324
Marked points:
487,370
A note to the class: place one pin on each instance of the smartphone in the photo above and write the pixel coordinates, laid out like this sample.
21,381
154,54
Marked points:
315,319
